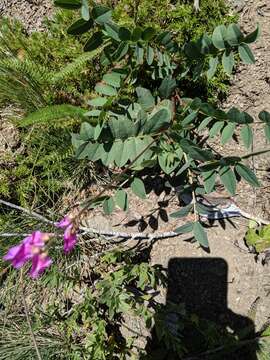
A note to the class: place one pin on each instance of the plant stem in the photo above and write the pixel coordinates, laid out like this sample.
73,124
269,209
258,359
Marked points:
190,180
26,310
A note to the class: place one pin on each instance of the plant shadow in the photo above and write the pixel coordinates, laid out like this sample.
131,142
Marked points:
196,323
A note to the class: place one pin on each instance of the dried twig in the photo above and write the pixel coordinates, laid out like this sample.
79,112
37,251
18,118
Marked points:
26,211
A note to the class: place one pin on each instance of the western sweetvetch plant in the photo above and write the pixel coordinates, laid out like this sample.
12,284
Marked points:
139,118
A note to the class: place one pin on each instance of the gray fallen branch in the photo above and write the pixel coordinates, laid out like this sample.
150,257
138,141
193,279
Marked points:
26,211
109,234
132,236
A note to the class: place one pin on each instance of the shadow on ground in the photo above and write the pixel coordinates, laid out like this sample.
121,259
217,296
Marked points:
195,322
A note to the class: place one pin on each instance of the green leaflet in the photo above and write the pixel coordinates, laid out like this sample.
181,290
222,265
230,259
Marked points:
108,206
253,36
68,4
124,34
119,154
227,133
247,174
182,212
234,35
99,101
228,179
137,186
145,98
150,54
209,179
200,234
219,36
213,63
122,127
85,10
80,27
246,136
267,131
148,34
105,90
112,30
228,62
167,86
94,42
204,123
113,79
156,122
246,54
215,129
101,14
265,116
186,228
121,199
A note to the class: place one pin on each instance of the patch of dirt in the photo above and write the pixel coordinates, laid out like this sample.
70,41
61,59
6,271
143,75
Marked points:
30,12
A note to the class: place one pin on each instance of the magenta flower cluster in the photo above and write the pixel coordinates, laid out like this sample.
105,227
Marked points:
33,248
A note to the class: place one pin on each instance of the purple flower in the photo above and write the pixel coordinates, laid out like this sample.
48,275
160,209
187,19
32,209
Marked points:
70,239
18,255
70,236
66,221
39,263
